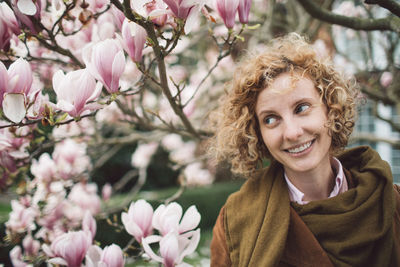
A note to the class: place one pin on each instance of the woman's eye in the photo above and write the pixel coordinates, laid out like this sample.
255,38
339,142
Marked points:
301,108
269,120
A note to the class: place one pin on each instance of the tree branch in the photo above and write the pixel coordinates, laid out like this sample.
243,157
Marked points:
392,6
390,23
164,80
373,138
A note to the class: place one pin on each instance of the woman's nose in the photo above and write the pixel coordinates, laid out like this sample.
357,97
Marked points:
292,130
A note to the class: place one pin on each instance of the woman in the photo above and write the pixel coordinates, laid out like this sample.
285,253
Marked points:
316,204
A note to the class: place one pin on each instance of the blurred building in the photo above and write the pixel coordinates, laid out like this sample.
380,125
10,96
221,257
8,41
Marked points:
372,132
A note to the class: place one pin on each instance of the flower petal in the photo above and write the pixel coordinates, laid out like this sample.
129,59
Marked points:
191,247
149,240
192,19
14,107
27,7
169,248
118,67
190,220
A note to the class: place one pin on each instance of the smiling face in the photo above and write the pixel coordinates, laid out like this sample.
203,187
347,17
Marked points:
292,122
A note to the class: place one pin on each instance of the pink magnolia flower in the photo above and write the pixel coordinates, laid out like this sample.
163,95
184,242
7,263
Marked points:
8,26
386,79
133,39
118,16
21,218
138,220
195,174
27,7
31,246
37,109
188,10
69,248
106,62
89,224
75,91
93,256
16,257
71,158
112,256
143,153
139,6
244,10
173,247
180,8
106,192
7,15
16,89
7,161
227,10
23,11
157,11
97,5
85,197
44,169
168,218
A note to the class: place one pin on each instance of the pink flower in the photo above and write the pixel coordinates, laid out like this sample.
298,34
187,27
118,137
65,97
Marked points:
157,11
112,256
85,196
168,218
16,89
244,10
27,7
89,224
70,158
7,15
31,246
143,153
133,39
227,10
106,62
69,248
16,257
106,192
37,109
23,11
93,256
195,174
138,220
173,247
21,218
44,169
188,10
8,26
180,8
75,91
118,16
7,161
386,79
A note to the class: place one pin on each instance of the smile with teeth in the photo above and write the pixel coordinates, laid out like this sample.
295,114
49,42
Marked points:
300,148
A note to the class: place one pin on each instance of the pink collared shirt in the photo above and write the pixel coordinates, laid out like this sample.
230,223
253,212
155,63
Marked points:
341,186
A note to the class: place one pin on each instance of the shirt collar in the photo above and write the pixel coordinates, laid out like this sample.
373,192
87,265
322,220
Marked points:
341,186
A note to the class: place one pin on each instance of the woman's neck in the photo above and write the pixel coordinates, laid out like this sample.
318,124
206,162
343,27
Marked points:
316,184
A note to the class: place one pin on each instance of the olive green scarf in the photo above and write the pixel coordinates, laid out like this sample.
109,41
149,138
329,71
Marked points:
354,228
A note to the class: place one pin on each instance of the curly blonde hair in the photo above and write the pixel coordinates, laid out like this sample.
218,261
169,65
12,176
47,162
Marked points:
237,136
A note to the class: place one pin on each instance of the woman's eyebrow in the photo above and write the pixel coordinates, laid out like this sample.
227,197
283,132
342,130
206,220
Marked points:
266,111
304,99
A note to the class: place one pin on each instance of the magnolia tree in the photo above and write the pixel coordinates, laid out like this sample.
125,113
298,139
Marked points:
81,79
72,68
